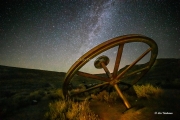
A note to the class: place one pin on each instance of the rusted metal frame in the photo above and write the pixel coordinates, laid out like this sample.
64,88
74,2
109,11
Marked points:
132,64
94,52
104,46
91,88
88,75
118,58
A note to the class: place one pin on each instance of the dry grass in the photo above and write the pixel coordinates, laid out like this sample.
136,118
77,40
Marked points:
63,110
147,91
67,109
25,99
60,109
105,96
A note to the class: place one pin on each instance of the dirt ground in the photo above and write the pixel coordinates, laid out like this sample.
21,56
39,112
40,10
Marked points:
164,108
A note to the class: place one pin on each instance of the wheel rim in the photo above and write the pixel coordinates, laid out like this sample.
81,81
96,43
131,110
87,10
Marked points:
118,41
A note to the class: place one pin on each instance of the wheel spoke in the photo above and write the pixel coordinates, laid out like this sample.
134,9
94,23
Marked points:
135,72
132,64
106,70
88,75
118,58
127,104
91,88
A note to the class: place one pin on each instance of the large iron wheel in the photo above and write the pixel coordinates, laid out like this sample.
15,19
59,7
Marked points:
113,78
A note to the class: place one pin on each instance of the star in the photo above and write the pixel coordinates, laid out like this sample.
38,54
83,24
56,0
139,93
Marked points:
52,35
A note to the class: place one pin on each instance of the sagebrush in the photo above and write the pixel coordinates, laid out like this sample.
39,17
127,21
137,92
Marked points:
147,91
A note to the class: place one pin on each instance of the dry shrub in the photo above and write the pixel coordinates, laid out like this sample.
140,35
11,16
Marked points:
80,88
63,110
105,96
147,91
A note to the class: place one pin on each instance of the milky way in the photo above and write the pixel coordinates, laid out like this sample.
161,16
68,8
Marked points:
52,35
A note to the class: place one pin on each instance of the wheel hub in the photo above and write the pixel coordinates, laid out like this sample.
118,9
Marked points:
101,60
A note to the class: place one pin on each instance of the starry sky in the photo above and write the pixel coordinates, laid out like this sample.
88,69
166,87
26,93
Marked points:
53,34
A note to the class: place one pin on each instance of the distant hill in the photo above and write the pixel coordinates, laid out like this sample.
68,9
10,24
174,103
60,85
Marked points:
7,72
13,79
165,69
162,68
164,73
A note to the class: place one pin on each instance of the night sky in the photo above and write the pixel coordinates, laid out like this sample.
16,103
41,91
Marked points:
53,34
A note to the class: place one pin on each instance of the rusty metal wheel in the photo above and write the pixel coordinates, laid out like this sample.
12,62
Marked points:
115,77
